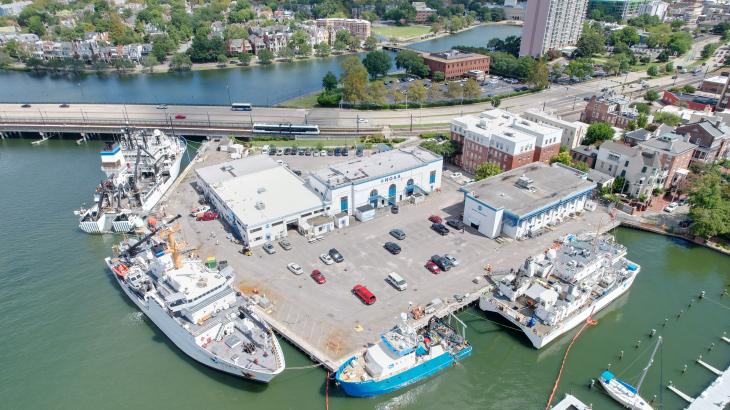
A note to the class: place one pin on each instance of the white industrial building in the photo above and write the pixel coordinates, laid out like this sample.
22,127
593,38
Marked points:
523,201
261,200
360,185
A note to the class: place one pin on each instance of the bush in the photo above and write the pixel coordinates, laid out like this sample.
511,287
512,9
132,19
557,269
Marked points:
432,134
329,98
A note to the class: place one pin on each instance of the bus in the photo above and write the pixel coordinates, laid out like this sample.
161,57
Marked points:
286,129
241,107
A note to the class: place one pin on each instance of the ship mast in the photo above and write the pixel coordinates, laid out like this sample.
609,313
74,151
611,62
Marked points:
646,369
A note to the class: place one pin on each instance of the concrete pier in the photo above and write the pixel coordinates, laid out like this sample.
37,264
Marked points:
709,367
716,395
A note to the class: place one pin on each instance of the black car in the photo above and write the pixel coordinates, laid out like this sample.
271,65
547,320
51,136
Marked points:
287,151
394,209
330,152
455,223
337,152
297,172
336,255
345,152
397,234
272,151
392,247
25,106
440,229
443,263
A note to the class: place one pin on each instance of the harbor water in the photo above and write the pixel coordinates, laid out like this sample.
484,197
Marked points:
259,85
72,341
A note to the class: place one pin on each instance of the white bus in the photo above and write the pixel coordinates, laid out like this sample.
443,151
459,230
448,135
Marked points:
241,107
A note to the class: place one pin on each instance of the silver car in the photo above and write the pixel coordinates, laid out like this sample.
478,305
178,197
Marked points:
452,259
269,248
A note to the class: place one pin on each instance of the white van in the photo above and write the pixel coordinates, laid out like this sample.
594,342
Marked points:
397,281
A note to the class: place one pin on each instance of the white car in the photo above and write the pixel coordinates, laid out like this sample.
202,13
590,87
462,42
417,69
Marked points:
295,269
323,153
326,259
452,259
362,120
162,107
671,207
456,175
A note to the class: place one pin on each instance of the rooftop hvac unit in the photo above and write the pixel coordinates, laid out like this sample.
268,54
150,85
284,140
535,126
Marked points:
524,182
261,190
260,205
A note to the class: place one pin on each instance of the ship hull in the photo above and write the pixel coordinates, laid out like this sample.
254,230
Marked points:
186,342
400,380
538,341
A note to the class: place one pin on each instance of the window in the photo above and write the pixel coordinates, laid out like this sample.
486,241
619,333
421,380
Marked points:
277,223
432,177
643,170
256,229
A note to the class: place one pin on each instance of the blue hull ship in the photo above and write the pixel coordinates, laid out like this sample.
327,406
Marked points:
401,358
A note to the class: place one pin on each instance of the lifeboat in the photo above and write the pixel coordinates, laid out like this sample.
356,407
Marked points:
121,270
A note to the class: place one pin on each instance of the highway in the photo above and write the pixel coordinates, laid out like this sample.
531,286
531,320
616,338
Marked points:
562,100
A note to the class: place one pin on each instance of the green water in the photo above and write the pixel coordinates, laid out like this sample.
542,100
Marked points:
71,341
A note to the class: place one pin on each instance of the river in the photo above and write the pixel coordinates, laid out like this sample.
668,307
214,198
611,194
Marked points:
260,85
72,341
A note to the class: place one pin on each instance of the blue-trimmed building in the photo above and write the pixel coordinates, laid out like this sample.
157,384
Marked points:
525,200
379,180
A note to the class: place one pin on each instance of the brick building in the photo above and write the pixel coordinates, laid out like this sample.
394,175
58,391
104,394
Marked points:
674,154
713,85
711,140
586,154
423,12
356,27
615,111
691,101
503,138
455,63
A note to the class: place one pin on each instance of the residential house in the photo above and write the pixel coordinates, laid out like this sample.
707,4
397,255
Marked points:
711,139
216,29
361,29
640,135
236,46
13,9
257,43
586,154
642,171
674,154
613,110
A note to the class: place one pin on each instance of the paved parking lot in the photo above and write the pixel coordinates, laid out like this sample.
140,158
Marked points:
329,316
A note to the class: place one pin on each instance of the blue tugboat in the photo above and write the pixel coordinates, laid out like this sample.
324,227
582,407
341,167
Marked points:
403,357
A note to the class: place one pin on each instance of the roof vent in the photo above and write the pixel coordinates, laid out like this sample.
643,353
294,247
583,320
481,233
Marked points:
524,182
261,190
260,205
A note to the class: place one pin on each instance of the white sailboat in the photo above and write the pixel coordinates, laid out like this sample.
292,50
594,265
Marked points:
625,393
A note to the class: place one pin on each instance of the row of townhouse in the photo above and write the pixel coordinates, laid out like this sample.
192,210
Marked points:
274,38
88,50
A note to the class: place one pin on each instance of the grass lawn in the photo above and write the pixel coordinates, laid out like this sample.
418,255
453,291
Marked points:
308,142
417,126
401,32
305,101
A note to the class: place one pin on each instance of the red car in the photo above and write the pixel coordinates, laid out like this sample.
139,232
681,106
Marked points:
435,219
180,117
432,267
364,294
207,216
318,276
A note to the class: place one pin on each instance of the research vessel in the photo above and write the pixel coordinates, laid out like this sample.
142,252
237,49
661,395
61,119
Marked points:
556,290
139,167
402,357
197,308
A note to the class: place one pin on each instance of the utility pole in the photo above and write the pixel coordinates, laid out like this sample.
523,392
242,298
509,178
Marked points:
411,128
358,123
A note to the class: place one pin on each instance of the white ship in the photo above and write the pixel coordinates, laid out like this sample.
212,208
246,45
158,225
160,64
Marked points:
557,290
139,169
624,393
197,309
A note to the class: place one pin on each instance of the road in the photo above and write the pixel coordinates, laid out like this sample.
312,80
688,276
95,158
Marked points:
562,100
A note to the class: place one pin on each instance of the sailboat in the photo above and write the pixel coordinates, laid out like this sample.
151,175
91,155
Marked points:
625,393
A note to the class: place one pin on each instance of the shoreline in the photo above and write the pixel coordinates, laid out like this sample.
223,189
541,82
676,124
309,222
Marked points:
646,227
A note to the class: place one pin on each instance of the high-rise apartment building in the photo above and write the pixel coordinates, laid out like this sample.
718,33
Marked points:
552,25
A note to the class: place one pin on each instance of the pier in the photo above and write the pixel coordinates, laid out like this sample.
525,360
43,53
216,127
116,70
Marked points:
716,395
326,322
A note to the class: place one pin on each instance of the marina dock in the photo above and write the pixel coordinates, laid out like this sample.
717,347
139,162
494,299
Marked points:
326,322
715,396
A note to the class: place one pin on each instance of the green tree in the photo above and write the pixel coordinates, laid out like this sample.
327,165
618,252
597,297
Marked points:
329,81
680,42
709,200
612,66
36,26
222,60
538,75
123,64
322,49
598,131
651,96
709,49
354,79
149,62
486,170
496,101
591,41
371,43
438,76
676,24
454,90
245,58
689,89
412,62
642,120
472,91
416,92
669,67
396,95
563,157
667,118
265,56
286,53
652,71
162,46
642,108
377,63
180,62
377,93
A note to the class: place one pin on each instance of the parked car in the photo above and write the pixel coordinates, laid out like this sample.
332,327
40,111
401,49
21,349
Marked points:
432,267
180,117
25,106
199,210
161,106
440,229
287,151
435,219
455,175
323,153
285,244
330,152
359,151
64,105
364,294
397,281
398,234
336,255
392,247
326,259
295,268
207,216
455,223
394,209
671,207
345,152
452,259
443,263
269,248
318,276
337,152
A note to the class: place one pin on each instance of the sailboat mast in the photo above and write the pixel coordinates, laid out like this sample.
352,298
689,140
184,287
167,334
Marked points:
646,369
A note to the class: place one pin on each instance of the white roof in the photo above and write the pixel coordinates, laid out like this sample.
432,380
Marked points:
718,79
258,190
